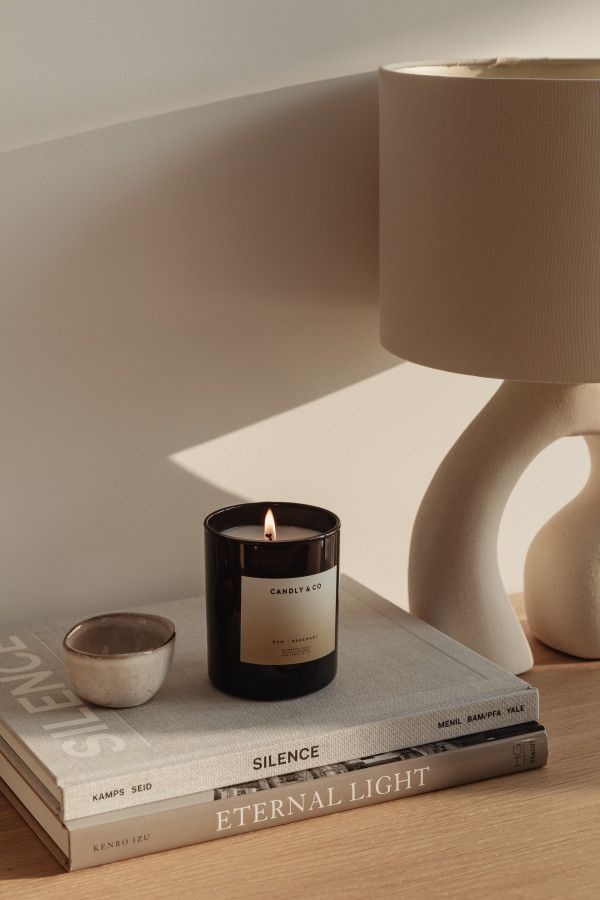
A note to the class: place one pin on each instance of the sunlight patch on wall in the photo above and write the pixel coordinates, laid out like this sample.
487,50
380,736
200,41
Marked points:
368,452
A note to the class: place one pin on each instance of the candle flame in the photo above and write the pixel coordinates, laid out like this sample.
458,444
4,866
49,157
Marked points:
270,530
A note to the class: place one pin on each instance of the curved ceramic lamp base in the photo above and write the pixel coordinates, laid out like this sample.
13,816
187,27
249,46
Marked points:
454,577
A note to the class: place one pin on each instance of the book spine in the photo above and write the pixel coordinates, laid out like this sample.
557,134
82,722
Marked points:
193,776
95,842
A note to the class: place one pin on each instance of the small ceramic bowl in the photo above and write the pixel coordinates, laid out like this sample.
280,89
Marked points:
119,659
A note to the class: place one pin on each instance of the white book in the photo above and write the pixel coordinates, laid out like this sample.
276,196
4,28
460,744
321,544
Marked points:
400,683
266,802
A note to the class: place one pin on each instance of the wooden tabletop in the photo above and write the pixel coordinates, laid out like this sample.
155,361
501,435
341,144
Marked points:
536,834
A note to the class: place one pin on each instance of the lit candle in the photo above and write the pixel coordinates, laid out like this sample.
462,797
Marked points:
272,598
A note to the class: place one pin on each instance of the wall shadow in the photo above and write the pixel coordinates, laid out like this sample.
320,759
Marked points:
167,281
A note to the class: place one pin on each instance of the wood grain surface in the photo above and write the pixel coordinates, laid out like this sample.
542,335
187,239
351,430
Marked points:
531,835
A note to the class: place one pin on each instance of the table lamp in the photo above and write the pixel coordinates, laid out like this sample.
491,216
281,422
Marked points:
490,266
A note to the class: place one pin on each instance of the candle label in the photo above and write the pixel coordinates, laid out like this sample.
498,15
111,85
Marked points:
288,620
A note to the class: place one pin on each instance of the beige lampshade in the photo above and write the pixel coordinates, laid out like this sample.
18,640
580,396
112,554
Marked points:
490,217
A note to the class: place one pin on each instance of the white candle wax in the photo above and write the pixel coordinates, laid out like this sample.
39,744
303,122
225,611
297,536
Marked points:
257,533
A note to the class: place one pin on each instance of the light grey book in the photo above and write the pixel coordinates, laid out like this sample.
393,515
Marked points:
400,683
275,800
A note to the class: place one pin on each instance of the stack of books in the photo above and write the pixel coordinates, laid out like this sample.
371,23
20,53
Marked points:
410,711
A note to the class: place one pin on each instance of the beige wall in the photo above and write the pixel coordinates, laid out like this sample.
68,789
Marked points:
189,300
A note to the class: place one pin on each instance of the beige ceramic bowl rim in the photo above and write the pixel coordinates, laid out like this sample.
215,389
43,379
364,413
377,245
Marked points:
119,615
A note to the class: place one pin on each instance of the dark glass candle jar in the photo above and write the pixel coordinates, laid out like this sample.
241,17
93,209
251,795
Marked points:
272,605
